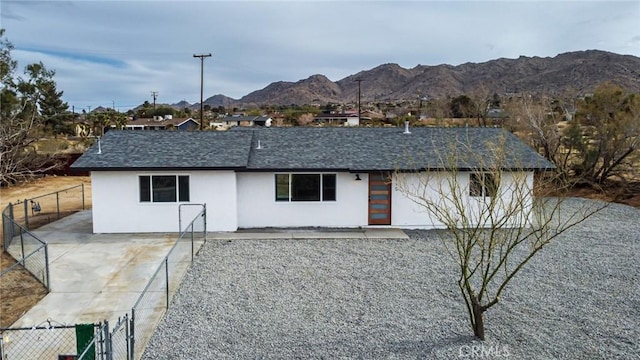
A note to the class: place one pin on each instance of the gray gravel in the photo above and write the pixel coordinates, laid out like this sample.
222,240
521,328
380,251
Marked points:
327,298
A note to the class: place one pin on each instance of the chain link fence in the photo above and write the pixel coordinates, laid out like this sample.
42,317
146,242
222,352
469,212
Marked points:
47,341
131,333
119,340
31,252
43,209
9,226
156,297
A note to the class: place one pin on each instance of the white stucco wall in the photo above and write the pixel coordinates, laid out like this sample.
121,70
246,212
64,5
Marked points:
258,208
117,209
247,200
406,213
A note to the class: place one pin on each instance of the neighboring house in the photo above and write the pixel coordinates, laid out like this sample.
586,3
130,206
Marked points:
235,120
163,123
497,116
338,119
284,177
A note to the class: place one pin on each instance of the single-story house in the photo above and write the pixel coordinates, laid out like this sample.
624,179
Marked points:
346,118
286,177
167,122
237,120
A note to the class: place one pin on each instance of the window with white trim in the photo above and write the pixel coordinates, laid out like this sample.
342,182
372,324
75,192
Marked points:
305,187
164,188
483,185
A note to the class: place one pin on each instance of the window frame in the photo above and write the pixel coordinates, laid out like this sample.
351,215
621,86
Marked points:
326,188
483,185
181,188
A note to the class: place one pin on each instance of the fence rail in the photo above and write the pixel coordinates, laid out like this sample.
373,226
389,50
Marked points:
46,341
31,252
43,209
156,296
131,333
18,218
120,340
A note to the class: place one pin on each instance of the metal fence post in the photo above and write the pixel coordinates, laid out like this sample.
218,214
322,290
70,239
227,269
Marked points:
205,221
46,265
82,195
26,214
131,341
13,228
98,340
22,247
58,204
107,341
166,273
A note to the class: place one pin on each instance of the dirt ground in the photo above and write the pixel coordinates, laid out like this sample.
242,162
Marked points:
628,193
19,290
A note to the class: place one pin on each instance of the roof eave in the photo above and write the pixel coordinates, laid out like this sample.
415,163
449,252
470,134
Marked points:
122,168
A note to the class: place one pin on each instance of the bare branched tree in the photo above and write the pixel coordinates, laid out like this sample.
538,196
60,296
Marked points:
20,120
536,122
609,124
18,159
599,140
497,218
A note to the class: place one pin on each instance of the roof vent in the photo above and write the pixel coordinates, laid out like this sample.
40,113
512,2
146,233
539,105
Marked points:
406,128
99,146
259,146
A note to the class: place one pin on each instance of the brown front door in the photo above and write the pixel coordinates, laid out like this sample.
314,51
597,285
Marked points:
379,199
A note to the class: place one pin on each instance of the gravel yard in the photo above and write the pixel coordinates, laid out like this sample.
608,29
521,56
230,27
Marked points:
328,298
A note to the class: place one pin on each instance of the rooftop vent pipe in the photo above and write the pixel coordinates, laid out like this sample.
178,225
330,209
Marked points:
258,147
99,146
406,128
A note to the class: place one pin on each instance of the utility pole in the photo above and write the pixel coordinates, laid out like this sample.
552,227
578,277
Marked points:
359,80
202,57
154,94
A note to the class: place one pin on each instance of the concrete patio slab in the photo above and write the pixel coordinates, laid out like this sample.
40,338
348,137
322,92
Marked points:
94,276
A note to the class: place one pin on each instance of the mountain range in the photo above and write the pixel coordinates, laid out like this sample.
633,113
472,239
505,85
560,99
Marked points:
573,73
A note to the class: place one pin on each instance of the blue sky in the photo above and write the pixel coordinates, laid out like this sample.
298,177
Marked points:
118,52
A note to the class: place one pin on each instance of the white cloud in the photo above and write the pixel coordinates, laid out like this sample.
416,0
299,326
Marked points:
122,50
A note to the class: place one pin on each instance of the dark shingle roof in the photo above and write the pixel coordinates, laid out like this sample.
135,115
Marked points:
304,148
360,149
130,149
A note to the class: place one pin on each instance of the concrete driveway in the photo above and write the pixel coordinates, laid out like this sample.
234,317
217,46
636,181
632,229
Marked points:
94,276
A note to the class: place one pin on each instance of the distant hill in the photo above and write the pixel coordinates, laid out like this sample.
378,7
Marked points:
573,72
213,101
